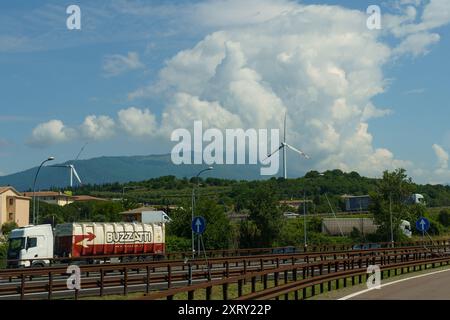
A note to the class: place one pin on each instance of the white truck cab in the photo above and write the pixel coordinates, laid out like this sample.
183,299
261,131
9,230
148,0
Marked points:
405,227
30,246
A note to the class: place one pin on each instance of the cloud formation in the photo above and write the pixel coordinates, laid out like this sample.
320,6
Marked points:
318,63
97,128
49,133
116,64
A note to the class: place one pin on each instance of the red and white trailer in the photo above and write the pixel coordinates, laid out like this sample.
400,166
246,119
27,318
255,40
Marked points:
109,239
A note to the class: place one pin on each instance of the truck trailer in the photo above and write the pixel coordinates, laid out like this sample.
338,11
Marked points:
36,246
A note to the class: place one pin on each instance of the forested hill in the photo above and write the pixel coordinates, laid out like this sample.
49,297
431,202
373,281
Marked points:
334,184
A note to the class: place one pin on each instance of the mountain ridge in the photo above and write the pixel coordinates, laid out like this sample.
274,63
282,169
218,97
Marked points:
110,169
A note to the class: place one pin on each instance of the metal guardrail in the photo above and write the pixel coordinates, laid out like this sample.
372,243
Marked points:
183,255
359,274
310,274
52,280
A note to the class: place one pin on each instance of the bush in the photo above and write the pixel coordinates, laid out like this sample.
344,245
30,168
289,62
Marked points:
436,228
176,244
444,218
7,227
3,252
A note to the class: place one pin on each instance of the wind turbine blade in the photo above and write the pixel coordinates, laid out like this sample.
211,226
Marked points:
279,148
76,174
82,149
298,151
284,137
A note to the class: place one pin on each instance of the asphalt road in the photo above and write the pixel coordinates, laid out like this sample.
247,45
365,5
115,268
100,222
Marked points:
429,286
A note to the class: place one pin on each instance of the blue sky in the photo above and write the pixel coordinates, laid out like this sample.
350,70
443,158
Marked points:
115,61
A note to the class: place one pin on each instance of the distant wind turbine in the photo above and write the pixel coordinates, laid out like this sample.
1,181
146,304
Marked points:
285,145
73,171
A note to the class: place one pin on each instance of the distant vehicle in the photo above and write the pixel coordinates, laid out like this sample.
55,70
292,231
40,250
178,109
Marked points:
35,246
405,227
285,250
366,246
291,215
416,198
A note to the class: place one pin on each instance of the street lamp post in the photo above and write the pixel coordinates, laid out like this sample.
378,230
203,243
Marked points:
34,188
193,204
304,216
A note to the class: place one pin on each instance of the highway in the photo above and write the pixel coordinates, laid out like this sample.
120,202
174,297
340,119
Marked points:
430,286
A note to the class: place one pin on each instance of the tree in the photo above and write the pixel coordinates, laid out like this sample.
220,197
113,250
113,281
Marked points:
390,196
444,218
7,227
218,228
266,216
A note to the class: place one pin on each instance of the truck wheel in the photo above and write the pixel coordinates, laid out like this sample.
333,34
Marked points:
38,265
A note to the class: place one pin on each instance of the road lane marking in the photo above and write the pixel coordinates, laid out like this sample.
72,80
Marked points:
390,283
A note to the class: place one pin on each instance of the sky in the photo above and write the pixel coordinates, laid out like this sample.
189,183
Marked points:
357,99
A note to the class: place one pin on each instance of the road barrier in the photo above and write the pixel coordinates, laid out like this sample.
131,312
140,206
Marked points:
167,275
312,275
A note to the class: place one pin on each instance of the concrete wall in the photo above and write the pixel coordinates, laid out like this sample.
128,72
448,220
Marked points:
333,226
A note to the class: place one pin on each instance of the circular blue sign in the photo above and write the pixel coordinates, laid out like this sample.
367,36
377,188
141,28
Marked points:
423,224
199,225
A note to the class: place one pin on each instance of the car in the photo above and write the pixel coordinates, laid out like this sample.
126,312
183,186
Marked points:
285,250
366,246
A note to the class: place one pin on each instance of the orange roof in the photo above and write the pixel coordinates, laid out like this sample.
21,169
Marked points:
46,194
87,198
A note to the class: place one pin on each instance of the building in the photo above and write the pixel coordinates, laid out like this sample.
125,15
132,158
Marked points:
14,207
334,227
51,197
294,204
85,198
60,198
145,215
356,203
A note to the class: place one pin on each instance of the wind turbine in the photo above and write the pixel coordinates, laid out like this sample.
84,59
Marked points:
73,172
71,167
285,145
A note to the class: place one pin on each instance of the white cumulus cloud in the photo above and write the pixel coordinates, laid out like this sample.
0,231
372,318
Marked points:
116,64
441,155
137,122
97,127
51,132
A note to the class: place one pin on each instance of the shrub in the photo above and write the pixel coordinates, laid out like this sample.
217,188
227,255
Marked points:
176,244
7,227
444,218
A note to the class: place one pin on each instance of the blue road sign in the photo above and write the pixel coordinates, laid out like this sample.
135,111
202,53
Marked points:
199,225
423,224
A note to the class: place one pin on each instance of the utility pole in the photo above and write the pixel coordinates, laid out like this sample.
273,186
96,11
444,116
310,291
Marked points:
390,212
193,205
304,217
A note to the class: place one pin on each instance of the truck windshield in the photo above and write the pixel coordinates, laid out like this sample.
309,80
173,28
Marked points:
15,245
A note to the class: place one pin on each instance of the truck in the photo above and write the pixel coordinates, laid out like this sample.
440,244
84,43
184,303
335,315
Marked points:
37,245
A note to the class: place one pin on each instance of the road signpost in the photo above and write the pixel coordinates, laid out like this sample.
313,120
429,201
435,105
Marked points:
198,227
423,224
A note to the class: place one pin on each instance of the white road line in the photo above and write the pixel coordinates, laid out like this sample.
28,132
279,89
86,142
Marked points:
390,283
